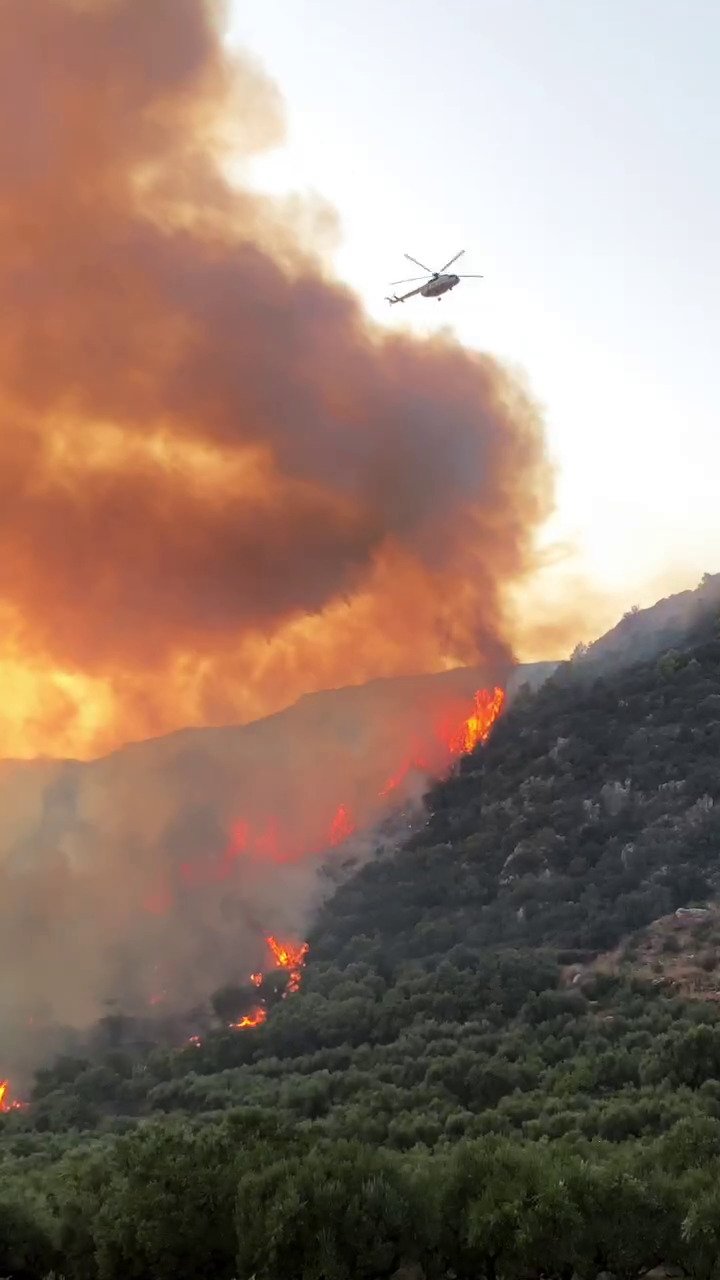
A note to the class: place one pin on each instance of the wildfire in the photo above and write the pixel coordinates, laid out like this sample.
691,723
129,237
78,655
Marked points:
342,825
255,1018
5,1101
477,727
286,955
451,740
429,755
290,956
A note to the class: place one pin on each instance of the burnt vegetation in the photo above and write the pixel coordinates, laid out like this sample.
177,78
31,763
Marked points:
496,1065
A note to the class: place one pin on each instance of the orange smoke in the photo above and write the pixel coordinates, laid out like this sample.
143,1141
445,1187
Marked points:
221,486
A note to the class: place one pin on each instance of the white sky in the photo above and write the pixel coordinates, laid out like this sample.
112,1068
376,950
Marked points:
572,147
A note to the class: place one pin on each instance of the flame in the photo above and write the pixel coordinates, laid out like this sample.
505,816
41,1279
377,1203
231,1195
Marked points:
5,1102
342,826
255,1018
290,956
477,727
451,740
287,955
195,1041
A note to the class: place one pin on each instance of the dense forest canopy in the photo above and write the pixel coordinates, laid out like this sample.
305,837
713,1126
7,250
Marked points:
503,1059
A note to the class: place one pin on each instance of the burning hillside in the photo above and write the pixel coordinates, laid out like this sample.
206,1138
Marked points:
288,958
179,946
154,875
272,839
221,487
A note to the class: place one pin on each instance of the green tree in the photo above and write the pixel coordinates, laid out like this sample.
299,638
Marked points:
167,1211
701,1232
26,1246
343,1212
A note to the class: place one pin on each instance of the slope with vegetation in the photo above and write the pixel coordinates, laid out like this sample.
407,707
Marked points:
497,1064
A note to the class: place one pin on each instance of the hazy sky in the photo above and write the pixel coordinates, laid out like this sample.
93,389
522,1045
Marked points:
572,147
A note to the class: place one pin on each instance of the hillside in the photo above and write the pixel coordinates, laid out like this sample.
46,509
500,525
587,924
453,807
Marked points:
158,870
495,1004
642,634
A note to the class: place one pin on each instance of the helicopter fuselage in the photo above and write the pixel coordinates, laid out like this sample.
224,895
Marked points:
439,284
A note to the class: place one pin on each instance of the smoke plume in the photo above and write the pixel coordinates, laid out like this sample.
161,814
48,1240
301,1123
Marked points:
220,485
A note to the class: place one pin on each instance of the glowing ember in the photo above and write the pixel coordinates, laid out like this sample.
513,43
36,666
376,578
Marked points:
256,979
255,1018
342,825
195,1041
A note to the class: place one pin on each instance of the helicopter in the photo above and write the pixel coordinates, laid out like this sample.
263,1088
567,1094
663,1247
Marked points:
437,281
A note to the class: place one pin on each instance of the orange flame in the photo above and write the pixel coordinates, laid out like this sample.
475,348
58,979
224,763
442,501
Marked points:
290,956
287,955
255,1018
5,1103
477,727
451,740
